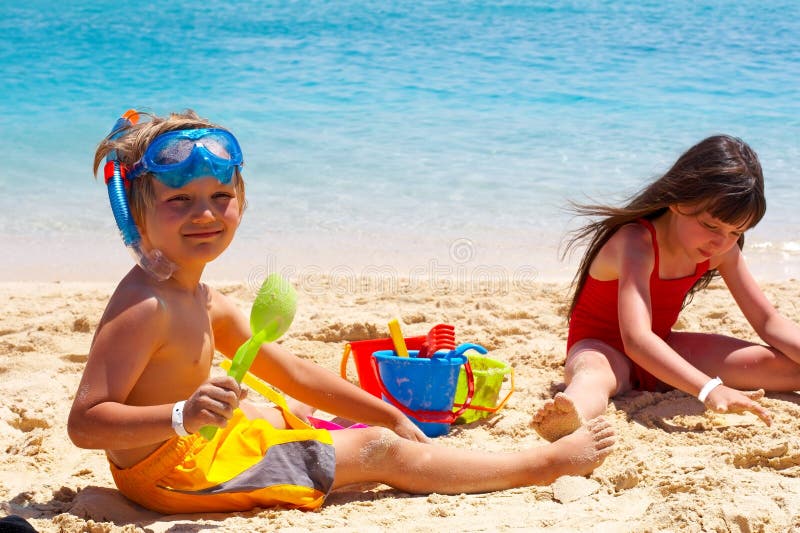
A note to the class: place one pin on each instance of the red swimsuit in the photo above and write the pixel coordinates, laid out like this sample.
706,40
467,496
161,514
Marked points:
596,316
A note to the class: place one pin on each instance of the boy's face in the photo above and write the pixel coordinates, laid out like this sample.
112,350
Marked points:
194,223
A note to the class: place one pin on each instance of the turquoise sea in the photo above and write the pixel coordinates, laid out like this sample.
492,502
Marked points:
428,138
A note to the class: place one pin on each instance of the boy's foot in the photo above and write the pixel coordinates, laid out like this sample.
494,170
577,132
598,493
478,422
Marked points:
556,418
580,452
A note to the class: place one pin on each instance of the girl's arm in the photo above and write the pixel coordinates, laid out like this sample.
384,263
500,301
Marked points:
773,328
635,262
632,256
304,380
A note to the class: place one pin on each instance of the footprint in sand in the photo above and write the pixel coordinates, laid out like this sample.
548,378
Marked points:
556,418
27,423
75,357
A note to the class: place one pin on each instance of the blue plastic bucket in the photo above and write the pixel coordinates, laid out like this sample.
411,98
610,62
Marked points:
422,388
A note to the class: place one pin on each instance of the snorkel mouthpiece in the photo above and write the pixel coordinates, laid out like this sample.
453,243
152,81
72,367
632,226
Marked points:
152,262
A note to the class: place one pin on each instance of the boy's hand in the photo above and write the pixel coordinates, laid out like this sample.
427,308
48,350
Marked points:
212,404
405,428
728,400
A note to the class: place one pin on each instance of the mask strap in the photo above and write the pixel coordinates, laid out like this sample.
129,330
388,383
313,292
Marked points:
152,262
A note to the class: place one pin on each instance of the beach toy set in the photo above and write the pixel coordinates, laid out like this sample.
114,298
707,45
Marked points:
430,379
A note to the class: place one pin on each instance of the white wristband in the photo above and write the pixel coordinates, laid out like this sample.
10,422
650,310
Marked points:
177,419
708,387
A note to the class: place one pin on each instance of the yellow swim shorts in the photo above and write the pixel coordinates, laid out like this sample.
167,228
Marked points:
247,464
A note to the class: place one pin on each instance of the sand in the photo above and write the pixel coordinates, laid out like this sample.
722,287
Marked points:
676,467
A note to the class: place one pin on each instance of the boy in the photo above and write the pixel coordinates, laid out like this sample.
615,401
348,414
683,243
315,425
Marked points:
146,390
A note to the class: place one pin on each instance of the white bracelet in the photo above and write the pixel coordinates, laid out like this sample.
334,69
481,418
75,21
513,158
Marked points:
177,419
708,387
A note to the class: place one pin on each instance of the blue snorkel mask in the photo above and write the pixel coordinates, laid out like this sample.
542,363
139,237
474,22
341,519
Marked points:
177,157
174,158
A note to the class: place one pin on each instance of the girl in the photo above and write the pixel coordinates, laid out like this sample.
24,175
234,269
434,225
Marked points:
643,263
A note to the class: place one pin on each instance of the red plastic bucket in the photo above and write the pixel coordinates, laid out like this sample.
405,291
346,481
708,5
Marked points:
362,353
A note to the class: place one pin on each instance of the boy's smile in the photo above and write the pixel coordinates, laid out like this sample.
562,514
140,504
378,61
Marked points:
193,223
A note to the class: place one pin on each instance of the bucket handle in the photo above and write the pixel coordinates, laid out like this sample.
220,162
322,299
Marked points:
498,406
343,364
440,417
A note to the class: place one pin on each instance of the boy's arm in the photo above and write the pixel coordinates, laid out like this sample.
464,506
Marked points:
304,380
109,410
321,388
775,329
124,342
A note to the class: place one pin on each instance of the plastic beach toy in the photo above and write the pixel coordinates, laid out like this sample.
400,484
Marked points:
440,337
270,394
397,338
271,315
489,376
423,388
275,397
362,355
320,423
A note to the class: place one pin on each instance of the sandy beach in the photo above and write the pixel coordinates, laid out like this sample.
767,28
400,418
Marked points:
675,468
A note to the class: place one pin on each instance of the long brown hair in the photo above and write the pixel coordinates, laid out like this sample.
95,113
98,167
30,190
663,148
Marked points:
720,173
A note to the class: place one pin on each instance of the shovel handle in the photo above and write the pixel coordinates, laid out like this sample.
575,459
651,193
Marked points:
240,364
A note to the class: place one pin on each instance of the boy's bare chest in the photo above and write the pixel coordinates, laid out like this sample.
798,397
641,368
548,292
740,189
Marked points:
183,359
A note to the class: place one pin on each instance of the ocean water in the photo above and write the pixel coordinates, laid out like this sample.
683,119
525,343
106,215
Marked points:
430,138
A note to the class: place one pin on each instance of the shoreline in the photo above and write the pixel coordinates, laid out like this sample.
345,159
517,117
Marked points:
439,261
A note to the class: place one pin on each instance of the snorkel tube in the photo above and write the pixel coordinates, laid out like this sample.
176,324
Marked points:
153,262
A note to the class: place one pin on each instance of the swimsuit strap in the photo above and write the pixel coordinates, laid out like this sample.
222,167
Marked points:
700,268
649,225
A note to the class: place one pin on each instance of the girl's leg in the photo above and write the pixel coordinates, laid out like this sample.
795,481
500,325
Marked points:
594,372
378,455
741,364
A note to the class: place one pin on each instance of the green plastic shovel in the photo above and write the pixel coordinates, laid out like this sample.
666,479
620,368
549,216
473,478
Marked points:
272,314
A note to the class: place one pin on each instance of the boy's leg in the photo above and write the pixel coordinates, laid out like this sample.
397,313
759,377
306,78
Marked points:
273,415
378,455
594,372
299,409
740,364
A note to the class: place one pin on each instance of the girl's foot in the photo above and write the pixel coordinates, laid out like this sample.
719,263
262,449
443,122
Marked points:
556,418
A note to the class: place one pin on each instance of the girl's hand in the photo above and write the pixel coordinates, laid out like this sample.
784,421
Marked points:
212,404
728,400
405,428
